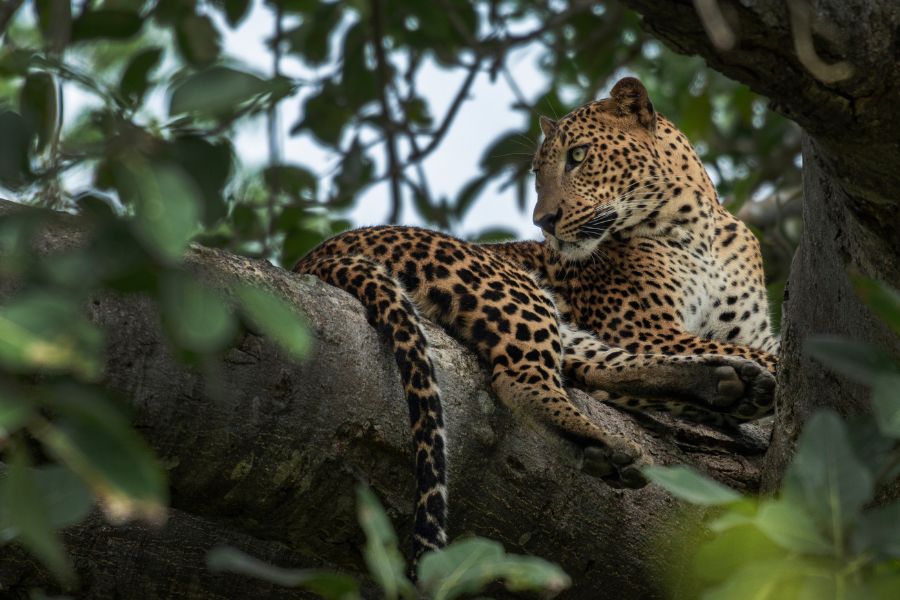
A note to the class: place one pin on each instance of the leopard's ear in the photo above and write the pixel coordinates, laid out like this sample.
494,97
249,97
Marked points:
548,126
631,100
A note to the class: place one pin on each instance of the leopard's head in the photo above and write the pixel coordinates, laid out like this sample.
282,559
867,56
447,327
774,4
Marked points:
600,168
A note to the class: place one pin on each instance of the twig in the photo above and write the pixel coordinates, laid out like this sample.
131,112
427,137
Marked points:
513,86
390,142
441,131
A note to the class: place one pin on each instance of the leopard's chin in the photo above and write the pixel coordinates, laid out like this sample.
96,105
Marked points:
573,251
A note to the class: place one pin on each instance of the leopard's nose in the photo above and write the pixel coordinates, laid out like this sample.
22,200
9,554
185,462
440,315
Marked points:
548,221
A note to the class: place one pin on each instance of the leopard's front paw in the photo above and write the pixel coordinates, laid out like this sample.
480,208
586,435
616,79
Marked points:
759,397
618,464
737,386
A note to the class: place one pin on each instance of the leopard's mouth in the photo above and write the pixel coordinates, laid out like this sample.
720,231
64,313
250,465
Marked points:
572,250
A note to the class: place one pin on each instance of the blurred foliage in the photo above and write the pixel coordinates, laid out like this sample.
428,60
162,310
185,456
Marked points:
462,569
828,534
150,164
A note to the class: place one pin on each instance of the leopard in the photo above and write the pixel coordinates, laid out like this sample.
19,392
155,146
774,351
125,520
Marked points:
645,292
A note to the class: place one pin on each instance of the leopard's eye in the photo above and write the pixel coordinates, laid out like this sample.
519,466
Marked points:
575,156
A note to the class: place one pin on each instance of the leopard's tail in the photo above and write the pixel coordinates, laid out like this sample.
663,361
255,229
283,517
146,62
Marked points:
393,315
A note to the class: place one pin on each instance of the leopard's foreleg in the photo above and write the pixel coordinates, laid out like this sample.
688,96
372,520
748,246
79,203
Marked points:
684,384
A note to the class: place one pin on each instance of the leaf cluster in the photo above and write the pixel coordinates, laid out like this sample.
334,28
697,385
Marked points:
823,536
464,568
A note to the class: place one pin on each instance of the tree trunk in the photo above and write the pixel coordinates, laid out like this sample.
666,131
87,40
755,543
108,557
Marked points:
851,169
265,455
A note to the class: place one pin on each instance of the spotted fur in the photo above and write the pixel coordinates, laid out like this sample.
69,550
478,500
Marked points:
646,292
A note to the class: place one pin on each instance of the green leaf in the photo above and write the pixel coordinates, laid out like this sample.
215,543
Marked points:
495,235
417,112
15,62
45,332
15,165
468,566
436,212
298,242
198,40
358,84
386,564
97,442
246,222
109,23
55,22
791,528
732,518
15,411
691,486
878,531
310,40
66,499
196,318
695,120
235,10
859,361
293,180
275,318
873,449
468,195
136,76
215,91
356,173
27,510
816,587
512,149
721,557
325,114
825,478
209,164
330,585
764,580
881,298
38,104
166,204
886,404
881,586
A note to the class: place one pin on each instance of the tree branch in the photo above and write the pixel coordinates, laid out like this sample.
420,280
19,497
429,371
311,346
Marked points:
438,135
277,455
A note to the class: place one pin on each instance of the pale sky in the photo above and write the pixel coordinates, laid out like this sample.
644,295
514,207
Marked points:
487,114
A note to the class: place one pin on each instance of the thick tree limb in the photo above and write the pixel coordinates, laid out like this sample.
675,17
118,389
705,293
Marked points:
268,454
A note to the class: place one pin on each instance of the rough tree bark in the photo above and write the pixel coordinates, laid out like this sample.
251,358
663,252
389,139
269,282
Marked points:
851,170
268,459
